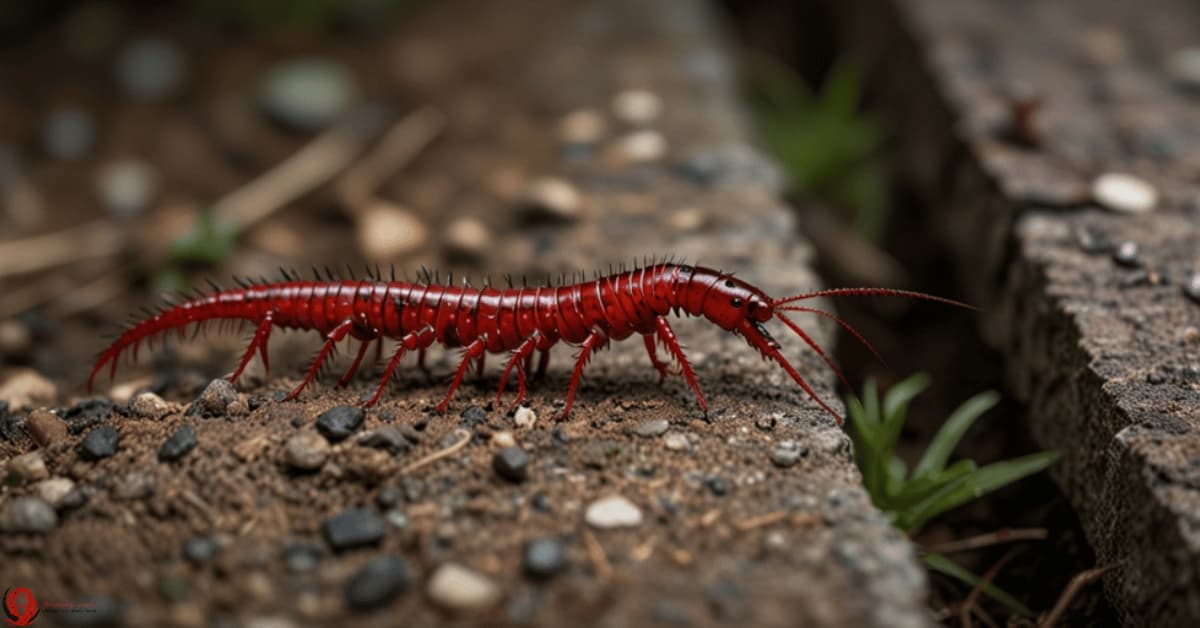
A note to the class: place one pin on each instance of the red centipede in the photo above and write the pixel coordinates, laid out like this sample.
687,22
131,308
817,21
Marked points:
514,320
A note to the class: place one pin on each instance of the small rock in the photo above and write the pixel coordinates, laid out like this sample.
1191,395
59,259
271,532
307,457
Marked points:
306,94
100,443
543,558
1184,67
15,338
178,445
1191,288
511,463
306,451
637,106
28,514
150,68
200,549
612,512
45,428
338,423
1124,193
554,199
654,427
473,416
136,485
356,527
301,557
466,239
524,418
718,485
68,133
643,146
1126,254
676,441
54,490
26,387
456,587
390,438
87,414
148,405
214,400
689,219
377,583
504,439
787,453
387,231
29,467
397,519
582,127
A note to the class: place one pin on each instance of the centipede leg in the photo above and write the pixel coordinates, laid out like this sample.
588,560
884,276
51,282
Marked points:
259,342
407,342
663,368
362,351
519,360
668,338
331,339
479,365
474,351
594,341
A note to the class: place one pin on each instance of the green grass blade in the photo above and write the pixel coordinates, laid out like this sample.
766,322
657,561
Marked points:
895,407
944,565
975,484
918,489
947,438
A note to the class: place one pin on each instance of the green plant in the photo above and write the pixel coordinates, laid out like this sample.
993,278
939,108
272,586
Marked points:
208,243
827,145
933,486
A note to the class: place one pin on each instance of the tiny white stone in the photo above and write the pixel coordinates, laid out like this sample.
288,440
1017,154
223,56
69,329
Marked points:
54,490
1124,192
456,587
637,106
642,146
613,511
504,439
127,187
555,196
582,126
467,236
524,418
676,441
386,231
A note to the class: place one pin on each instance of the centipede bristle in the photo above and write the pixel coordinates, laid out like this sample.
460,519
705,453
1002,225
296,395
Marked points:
393,272
524,281
378,274
212,284
449,278
350,269
427,277
328,274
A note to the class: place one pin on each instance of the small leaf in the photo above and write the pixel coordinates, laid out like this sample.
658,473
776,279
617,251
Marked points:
947,438
917,489
975,484
944,565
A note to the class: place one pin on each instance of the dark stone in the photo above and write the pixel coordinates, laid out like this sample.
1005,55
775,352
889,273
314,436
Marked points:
178,445
511,463
214,400
100,443
765,423
87,414
301,557
718,485
257,401
1192,287
541,502
473,416
389,496
338,423
377,583
543,558
356,527
1093,242
1126,255
389,438
10,424
200,549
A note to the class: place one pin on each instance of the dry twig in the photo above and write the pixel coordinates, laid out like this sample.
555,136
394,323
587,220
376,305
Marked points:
463,439
1005,535
596,554
1081,580
972,601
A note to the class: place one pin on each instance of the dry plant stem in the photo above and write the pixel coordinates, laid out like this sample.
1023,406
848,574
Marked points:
750,523
596,554
1081,580
464,437
93,240
1005,535
399,146
970,605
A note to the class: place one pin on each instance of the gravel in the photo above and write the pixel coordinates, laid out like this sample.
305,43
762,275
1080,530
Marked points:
654,427
511,463
613,512
338,423
100,443
524,418
637,106
148,405
54,490
306,451
28,514
676,441
542,559
30,467
1126,254
386,231
456,587
214,400
178,444
552,199
301,557
356,527
126,187
306,94
787,453
45,428
378,582
643,146
26,387
200,549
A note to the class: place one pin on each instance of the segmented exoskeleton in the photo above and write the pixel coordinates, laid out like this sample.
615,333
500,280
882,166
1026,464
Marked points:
517,320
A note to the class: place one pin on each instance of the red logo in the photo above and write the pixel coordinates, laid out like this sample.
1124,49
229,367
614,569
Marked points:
20,609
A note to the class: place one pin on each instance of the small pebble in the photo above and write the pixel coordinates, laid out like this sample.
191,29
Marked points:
1184,67
396,519
338,423
15,338
466,239
524,418
637,106
306,451
214,400
1124,193
26,387
387,231
685,220
1191,288
612,512
511,463
718,485
377,583
504,439
126,187
473,416
150,68
390,438
45,428
583,127
1191,335
178,445
643,146
29,515
787,453
301,557
1126,254
543,558
456,587
200,549
68,133
54,490
30,467
306,94
765,423
100,443
676,441
88,413
552,198
356,527
147,405
654,427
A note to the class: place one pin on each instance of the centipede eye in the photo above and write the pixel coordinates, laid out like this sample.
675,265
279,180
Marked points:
729,283
736,302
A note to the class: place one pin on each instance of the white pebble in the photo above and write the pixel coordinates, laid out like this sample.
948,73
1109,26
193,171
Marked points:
643,146
612,512
456,587
386,231
676,441
126,187
467,237
637,106
1124,193
54,490
555,197
504,439
582,126
524,418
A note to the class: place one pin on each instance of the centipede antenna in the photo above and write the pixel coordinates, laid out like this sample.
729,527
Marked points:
328,274
508,279
350,269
